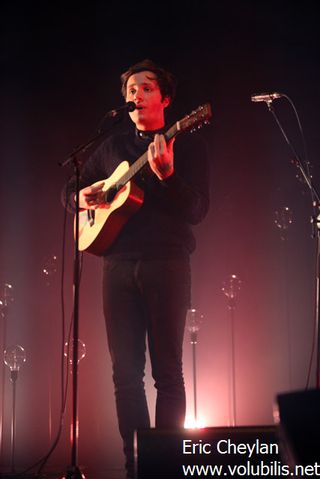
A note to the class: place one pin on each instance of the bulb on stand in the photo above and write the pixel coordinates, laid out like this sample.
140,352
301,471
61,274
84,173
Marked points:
14,358
68,351
283,220
6,297
49,269
194,321
231,288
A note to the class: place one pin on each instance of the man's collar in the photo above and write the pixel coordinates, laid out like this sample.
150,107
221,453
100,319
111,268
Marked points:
148,135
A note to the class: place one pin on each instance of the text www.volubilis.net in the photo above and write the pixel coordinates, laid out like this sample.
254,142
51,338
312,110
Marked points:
273,469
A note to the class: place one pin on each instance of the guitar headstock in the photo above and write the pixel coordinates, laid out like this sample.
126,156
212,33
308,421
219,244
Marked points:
196,118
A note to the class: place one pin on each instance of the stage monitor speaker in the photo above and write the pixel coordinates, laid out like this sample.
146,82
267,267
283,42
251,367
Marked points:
299,414
209,452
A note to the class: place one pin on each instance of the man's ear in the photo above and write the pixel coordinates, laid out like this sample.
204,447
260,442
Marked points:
166,101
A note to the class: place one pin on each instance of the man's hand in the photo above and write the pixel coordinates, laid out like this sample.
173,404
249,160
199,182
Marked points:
160,156
91,197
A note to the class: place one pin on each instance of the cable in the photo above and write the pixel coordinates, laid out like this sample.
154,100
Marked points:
314,203
64,382
304,143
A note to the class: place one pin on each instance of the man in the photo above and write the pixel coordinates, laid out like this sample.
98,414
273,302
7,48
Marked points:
146,284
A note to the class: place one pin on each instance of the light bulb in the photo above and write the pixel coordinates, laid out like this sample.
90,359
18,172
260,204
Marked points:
194,320
14,357
49,269
231,286
6,297
283,218
68,351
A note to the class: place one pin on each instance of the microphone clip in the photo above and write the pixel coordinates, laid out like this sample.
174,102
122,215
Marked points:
129,106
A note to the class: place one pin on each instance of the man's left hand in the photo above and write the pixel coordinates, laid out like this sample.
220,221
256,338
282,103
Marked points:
160,156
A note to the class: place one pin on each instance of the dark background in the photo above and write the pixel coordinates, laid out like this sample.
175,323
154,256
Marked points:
60,67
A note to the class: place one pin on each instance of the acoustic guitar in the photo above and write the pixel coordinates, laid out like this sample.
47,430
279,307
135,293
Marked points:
99,228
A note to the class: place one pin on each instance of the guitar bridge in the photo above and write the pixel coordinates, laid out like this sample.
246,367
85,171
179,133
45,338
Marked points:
91,216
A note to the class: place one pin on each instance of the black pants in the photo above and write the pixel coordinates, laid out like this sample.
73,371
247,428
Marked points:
146,298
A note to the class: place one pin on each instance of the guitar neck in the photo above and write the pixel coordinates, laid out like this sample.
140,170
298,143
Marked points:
143,160
201,115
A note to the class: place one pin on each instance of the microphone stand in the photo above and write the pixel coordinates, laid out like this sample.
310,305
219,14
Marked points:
316,228
73,471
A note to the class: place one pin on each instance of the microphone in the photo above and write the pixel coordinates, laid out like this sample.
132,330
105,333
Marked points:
129,106
267,97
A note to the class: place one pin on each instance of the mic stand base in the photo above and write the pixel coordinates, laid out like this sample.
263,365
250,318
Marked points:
73,472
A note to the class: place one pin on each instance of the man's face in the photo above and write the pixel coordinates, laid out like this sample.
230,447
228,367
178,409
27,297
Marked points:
143,90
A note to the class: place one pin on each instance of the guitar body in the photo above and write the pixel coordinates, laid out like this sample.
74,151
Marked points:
99,228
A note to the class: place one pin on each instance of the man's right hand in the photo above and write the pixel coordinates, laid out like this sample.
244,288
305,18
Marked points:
91,197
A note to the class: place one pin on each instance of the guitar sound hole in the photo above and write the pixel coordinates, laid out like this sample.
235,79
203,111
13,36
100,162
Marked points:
111,193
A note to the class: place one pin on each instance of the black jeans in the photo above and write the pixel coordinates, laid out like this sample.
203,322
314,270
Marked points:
146,298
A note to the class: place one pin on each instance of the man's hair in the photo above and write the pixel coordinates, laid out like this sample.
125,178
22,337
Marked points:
166,80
